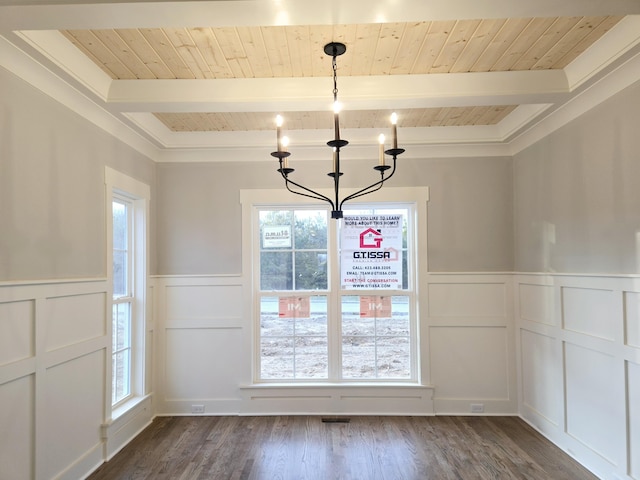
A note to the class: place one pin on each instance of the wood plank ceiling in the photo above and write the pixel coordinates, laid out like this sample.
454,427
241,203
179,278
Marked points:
430,47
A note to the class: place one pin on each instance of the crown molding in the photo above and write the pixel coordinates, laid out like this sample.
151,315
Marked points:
34,73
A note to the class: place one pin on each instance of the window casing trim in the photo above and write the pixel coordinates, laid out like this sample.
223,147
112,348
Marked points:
251,200
139,195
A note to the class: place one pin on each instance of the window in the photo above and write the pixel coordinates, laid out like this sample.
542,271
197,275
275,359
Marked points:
293,258
325,313
127,202
122,308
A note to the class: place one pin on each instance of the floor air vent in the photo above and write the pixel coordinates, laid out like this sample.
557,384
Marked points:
336,419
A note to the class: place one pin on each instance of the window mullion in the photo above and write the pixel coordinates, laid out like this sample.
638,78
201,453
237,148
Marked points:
334,307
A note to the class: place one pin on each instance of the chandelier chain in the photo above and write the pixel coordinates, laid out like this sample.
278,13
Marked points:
335,79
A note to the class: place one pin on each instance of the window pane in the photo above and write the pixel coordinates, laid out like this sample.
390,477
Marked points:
121,387
120,274
276,229
310,229
311,270
358,357
376,340
316,323
121,212
120,225
393,357
276,271
293,341
311,360
276,326
121,326
276,357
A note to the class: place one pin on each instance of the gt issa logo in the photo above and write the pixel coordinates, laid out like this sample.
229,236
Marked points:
370,238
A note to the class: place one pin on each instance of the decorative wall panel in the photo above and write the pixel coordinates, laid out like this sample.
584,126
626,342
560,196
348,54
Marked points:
632,318
537,303
17,326
589,311
541,363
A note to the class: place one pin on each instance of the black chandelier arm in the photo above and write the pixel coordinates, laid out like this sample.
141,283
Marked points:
312,194
371,188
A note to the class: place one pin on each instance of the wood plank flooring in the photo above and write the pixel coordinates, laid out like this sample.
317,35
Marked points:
366,448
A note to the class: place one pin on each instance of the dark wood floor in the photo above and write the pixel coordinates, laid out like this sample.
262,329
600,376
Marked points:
366,448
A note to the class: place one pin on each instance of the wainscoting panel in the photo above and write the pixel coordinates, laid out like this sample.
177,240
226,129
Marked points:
539,376
470,347
473,299
17,442
465,356
632,318
578,370
203,301
73,319
201,355
75,403
17,327
537,303
202,362
592,402
589,311
53,347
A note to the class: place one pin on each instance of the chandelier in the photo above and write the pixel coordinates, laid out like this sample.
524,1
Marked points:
334,50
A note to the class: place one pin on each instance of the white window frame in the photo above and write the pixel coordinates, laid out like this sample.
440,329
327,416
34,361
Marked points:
138,194
252,200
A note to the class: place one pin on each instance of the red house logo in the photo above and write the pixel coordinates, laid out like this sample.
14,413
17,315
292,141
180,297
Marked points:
370,238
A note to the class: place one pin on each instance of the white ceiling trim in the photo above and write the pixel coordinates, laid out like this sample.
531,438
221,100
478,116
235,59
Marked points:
611,47
87,14
615,81
56,48
321,152
315,94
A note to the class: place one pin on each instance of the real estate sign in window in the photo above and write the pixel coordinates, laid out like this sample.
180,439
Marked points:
371,247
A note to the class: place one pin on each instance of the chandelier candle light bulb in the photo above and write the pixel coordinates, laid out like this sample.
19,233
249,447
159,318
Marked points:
394,129
284,145
336,120
279,122
381,141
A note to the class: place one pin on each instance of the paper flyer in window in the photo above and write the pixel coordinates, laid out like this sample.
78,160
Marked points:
371,247
276,236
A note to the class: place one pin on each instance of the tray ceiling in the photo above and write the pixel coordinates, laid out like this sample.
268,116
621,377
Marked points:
203,75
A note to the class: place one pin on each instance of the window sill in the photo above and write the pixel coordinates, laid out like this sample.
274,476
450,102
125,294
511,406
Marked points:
333,385
128,407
